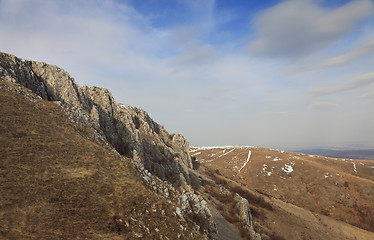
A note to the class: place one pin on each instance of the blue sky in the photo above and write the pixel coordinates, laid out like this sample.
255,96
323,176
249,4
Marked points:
280,74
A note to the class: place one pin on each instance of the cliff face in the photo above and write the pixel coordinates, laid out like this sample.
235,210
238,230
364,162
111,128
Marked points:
129,130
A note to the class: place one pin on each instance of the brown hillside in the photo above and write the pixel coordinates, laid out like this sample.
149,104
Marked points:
56,183
296,196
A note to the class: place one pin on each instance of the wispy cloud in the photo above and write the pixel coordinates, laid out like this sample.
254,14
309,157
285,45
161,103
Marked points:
277,113
198,56
220,93
297,28
173,57
323,106
368,96
357,82
363,50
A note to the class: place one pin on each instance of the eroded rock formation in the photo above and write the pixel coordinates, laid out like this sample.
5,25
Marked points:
130,130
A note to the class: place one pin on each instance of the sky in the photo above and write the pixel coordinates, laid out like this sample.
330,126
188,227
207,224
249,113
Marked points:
280,74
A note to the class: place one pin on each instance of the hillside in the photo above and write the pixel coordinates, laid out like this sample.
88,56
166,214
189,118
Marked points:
58,184
294,195
77,165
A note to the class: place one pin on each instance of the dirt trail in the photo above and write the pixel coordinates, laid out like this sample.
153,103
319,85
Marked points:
225,230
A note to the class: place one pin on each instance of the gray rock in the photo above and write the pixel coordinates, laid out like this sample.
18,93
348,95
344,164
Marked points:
129,130
245,216
243,209
125,127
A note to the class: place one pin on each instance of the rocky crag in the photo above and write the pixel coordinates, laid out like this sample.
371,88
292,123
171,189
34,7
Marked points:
162,159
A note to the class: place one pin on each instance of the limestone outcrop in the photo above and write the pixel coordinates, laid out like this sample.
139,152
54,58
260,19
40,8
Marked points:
129,130
245,216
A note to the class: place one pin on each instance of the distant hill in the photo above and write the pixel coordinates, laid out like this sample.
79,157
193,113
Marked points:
294,195
365,154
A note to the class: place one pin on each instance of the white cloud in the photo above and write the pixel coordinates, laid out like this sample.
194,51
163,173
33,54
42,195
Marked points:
296,28
83,35
354,83
173,71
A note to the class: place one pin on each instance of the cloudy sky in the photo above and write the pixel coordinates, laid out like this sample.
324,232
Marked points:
280,74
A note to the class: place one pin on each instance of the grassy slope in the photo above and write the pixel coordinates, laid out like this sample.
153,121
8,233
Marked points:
350,193
57,184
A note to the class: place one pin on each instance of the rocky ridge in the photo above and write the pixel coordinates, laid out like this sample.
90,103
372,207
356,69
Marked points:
162,159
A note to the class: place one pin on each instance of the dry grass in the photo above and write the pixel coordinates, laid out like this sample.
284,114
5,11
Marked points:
227,203
252,198
57,184
344,195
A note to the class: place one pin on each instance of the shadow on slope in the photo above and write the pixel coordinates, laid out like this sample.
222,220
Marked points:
55,183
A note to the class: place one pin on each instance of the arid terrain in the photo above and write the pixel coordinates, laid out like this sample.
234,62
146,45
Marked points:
56,183
75,164
293,195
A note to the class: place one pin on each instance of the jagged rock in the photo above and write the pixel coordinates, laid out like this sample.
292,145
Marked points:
245,216
130,130
198,210
125,127
244,209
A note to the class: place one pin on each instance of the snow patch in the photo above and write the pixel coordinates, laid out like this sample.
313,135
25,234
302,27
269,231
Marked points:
249,156
264,168
276,159
354,167
195,154
275,188
268,157
287,168
219,147
221,155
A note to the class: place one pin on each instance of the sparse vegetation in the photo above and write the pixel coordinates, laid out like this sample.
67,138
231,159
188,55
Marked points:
339,189
252,198
227,203
58,184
